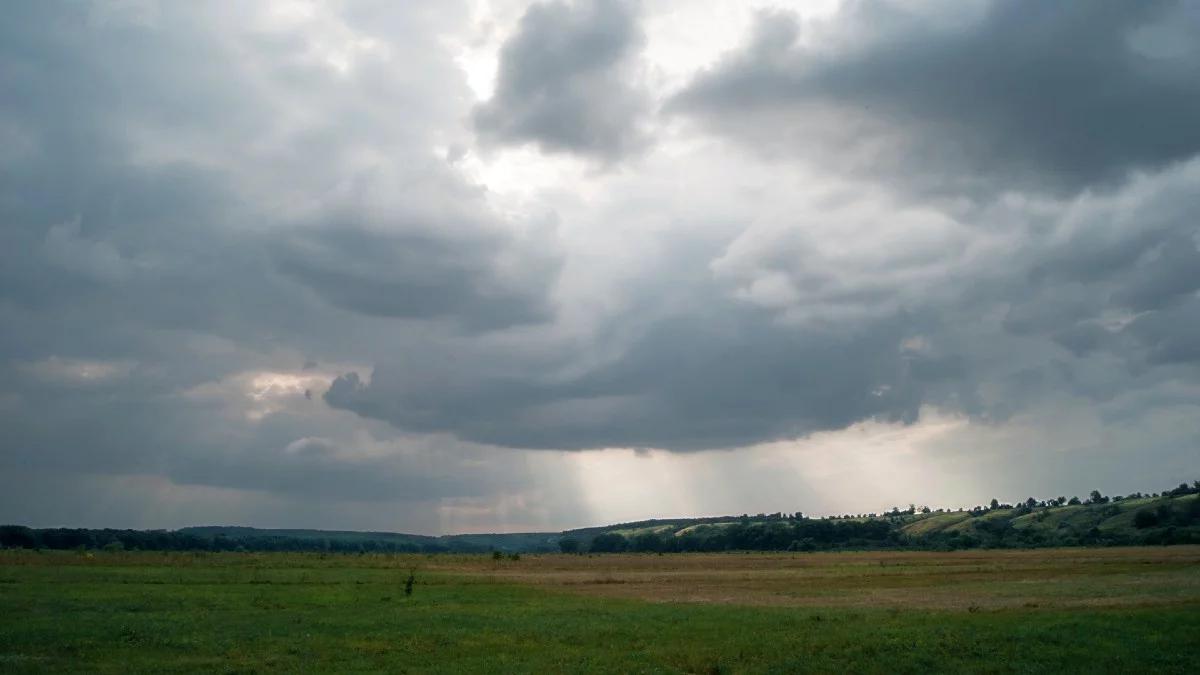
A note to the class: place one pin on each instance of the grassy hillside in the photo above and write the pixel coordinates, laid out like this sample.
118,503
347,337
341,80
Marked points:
1166,519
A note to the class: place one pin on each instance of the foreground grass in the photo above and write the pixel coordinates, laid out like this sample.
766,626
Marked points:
279,612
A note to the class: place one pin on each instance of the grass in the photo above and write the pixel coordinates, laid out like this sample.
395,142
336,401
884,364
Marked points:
1098,610
934,523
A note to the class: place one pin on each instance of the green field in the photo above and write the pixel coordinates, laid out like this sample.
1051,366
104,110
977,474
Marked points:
1052,610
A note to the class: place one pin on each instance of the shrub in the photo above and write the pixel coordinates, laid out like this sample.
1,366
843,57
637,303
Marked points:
1145,518
608,542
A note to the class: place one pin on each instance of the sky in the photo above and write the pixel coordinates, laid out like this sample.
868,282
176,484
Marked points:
486,265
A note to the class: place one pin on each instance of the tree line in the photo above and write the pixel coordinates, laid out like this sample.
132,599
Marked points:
1165,522
18,536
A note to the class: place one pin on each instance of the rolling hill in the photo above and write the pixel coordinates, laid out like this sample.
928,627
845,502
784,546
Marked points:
1172,517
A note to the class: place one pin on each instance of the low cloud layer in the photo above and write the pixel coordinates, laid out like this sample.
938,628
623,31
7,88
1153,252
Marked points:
286,267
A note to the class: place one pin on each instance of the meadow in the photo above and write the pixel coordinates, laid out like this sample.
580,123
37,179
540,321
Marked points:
1047,610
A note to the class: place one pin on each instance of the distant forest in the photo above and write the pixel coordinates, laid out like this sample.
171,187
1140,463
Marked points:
221,538
1169,517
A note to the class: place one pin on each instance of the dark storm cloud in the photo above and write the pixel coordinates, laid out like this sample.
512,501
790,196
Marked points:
565,82
420,275
1171,335
724,377
1097,301
1029,95
169,220
132,426
171,242
1123,278
1170,271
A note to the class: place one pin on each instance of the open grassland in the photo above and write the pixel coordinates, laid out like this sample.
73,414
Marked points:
962,580
1050,610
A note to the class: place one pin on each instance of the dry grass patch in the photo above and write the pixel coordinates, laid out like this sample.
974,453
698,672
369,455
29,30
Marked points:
1115,577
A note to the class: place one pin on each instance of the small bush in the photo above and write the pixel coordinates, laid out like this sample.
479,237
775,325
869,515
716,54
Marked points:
1145,518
